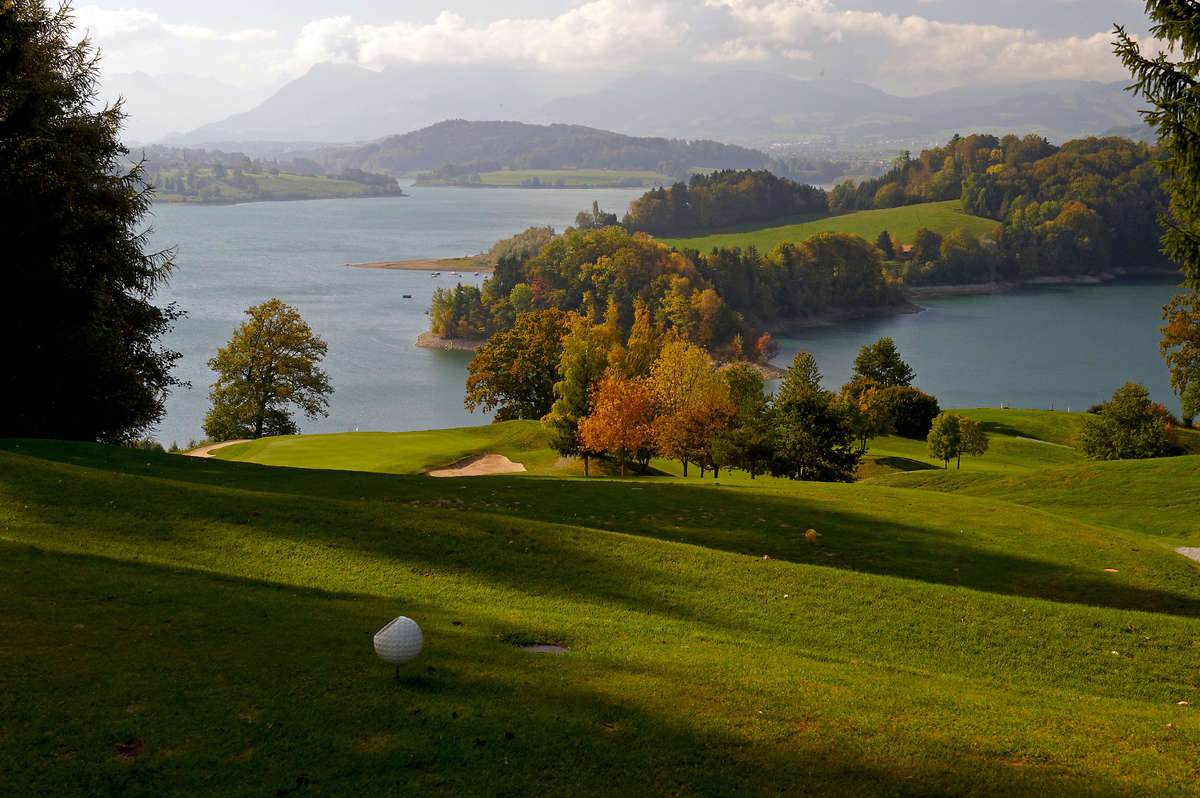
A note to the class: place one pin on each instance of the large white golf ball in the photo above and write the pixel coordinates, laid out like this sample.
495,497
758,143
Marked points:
399,642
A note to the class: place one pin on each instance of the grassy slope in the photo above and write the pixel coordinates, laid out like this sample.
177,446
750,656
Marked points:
526,442
216,617
901,223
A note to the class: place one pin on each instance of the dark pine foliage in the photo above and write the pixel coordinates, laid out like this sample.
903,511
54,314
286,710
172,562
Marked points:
84,360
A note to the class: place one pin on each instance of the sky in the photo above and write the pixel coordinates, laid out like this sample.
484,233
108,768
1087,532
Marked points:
906,47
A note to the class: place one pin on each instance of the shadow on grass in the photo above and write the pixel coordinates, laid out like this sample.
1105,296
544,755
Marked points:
231,686
886,535
904,464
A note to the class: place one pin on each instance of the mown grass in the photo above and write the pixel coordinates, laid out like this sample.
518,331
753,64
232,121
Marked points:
185,626
901,223
526,442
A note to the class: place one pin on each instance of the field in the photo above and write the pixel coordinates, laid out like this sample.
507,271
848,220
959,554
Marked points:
571,178
282,186
901,223
203,627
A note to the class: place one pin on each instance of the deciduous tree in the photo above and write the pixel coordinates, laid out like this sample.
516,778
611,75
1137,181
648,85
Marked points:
692,404
585,350
619,423
271,362
945,438
973,440
84,359
1180,347
1125,428
515,371
881,362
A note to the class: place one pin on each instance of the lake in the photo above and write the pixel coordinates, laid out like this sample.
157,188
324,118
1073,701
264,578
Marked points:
1060,347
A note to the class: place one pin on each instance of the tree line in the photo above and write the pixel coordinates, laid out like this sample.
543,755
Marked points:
719,301
631,396
722,199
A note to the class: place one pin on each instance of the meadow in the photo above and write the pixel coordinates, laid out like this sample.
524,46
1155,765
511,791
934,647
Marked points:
901,224
183,626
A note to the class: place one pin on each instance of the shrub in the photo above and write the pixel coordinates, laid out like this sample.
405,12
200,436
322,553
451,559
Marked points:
912,410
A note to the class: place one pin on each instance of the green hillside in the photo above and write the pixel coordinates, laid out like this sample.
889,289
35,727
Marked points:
901,223
554,178
182,626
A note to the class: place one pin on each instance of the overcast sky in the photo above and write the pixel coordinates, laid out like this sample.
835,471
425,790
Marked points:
903,46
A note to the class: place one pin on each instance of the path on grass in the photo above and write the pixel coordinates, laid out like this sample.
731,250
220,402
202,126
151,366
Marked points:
206,451
478,466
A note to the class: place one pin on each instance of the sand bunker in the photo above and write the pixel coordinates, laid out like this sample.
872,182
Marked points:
478,466
206,451
1193,553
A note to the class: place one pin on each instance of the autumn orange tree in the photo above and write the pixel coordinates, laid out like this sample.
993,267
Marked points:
1180,346
619,424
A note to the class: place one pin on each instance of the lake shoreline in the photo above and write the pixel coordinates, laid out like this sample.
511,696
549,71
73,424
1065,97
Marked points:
1004,286
428,340
425,265
256,201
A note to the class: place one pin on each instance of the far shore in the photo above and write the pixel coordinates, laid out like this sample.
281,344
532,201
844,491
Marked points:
463,265
1004,286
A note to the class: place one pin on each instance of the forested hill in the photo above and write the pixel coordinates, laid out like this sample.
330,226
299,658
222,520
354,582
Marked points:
487,146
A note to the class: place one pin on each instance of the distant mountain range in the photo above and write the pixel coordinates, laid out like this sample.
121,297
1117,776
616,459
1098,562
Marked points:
336,103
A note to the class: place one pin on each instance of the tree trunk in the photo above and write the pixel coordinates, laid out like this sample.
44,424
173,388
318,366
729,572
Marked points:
621,456
684,467
958,465
585,465
716,472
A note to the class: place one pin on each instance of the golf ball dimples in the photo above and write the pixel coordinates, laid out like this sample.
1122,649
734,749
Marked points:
399,641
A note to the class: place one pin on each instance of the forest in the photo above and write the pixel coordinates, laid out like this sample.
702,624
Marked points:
719,301
722,199
1085,207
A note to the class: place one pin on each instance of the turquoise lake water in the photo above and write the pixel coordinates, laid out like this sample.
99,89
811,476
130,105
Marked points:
1060,347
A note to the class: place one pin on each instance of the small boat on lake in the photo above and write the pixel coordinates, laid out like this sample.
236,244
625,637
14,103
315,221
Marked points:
406,296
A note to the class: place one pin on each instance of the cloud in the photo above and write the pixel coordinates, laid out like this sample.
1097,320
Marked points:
131,23
604,34
908,54
914,54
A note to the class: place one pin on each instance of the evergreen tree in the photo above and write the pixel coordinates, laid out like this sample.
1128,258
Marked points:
1172,88
885,245
814,438
86,362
